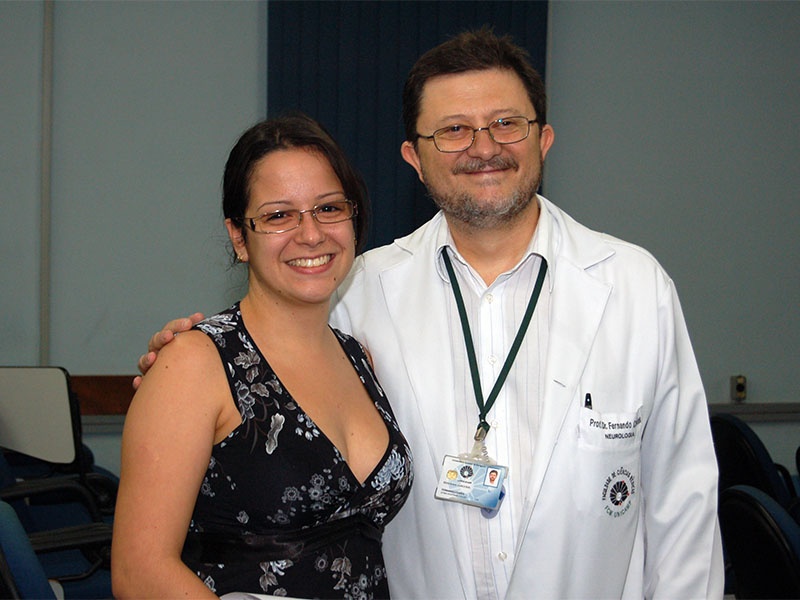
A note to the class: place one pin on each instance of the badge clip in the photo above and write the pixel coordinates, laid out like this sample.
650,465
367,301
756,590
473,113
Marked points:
479,452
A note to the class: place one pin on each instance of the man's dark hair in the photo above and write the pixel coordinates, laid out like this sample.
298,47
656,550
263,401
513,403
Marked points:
471,51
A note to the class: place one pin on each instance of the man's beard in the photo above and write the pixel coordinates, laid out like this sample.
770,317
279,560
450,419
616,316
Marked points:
480,214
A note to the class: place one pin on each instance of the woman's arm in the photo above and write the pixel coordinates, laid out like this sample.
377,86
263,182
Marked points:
169,432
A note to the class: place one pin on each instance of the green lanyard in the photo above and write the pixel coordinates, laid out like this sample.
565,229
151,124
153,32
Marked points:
484,408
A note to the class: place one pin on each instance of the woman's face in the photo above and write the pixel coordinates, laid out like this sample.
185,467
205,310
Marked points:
304,265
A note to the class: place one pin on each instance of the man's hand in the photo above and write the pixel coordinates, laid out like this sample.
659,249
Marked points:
161,339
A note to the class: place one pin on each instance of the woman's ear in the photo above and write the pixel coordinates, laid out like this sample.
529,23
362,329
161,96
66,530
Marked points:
237,236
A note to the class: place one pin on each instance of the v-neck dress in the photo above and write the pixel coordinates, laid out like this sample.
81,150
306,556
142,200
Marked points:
277,477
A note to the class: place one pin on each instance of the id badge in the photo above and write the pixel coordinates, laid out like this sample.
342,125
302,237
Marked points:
470,482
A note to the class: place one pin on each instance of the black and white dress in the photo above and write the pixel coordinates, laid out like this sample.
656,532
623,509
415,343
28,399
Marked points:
279,511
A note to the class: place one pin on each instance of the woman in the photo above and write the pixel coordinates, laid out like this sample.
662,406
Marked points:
274,469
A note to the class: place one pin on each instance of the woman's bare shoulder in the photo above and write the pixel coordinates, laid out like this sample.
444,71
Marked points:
188,367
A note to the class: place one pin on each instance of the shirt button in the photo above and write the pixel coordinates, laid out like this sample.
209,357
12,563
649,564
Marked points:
495,424
489,298
492,359
502,555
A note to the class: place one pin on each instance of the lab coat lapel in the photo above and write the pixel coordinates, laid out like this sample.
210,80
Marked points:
576,308
422,326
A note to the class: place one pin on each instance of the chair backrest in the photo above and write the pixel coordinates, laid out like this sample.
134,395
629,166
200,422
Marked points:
22,573
39,416
762,543
743,459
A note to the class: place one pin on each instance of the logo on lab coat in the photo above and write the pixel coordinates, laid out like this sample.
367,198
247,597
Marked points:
619,491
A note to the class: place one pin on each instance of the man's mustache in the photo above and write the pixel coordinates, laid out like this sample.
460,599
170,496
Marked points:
474,165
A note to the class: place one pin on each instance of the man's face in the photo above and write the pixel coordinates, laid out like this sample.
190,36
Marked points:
489,183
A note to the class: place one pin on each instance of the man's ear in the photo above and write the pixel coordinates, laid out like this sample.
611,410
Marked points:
409,154
546,139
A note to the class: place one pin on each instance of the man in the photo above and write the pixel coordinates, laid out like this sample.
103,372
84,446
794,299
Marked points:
593,402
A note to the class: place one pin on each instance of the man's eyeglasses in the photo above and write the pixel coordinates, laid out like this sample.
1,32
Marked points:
280,221
457,138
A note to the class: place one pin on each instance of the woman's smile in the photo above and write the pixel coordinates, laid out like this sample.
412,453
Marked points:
311,262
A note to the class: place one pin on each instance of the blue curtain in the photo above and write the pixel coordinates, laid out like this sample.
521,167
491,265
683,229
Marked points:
345,62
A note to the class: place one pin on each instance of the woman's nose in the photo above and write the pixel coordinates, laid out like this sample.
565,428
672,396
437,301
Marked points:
309,230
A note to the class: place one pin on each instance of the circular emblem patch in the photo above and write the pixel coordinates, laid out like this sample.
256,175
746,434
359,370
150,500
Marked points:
619,493
619,489
466,471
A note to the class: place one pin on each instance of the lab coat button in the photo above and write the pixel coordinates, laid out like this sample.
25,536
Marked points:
502,555
492,359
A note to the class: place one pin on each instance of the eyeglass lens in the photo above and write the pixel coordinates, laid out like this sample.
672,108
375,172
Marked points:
455,138
285,220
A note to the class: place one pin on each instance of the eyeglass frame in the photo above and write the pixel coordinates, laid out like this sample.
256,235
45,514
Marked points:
251,221
488,130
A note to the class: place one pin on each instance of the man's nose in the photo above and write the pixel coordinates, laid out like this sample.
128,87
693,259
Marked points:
483,145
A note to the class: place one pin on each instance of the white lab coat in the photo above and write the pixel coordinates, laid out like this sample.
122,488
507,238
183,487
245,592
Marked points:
616,332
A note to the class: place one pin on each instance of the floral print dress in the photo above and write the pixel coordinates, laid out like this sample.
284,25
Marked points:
277,472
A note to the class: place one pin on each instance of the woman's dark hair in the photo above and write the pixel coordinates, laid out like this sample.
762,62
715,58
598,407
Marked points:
294,130
471,51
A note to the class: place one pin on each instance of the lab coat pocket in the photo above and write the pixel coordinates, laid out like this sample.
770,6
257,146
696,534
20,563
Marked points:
609,449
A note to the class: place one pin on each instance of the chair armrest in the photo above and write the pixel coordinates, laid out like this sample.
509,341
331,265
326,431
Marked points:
33,488
92,539
76,536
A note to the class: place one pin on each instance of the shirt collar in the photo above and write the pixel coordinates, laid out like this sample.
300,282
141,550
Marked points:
542,244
